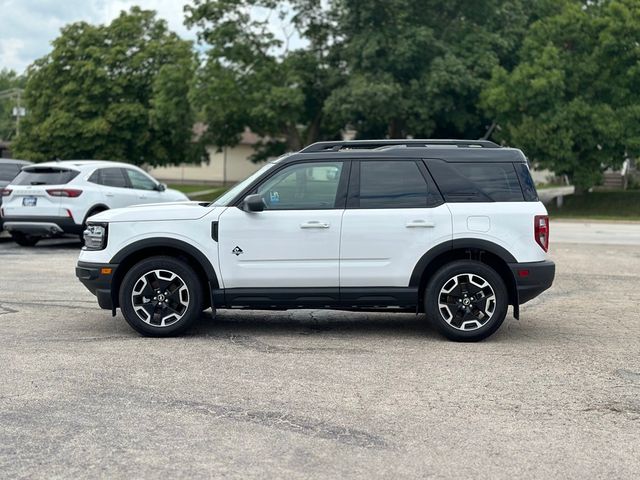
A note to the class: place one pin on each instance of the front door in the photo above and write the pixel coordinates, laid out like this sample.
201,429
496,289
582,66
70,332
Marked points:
295,242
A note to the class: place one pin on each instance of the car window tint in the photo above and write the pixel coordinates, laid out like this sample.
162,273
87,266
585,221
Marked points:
8,171
527,183
139,180
392,184
113,177
303,186
45,176
477,182
95,177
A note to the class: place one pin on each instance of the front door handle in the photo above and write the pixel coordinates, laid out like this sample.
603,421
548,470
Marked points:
314,224
420,224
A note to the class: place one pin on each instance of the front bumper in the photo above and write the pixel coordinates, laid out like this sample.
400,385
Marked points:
42,226
532,278
94,276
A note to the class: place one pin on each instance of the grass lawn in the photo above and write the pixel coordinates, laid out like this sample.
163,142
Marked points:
189,188
209,197
613,205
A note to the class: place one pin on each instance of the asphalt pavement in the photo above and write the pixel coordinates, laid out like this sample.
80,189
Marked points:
317,394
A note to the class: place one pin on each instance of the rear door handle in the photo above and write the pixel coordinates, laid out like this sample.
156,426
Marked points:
314,224
109,194
420,224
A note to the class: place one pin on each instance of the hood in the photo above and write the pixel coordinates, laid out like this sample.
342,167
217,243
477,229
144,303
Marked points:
155,212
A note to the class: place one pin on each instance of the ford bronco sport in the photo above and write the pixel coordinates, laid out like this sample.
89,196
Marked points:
451,228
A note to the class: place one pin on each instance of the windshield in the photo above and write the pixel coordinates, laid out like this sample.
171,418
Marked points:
225,198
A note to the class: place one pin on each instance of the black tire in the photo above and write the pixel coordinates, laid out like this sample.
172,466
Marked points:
25,240
150,306
473,312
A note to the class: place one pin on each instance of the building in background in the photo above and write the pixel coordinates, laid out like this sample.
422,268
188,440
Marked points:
228,165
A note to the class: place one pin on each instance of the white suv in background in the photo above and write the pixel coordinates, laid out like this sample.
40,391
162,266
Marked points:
56,198
451,228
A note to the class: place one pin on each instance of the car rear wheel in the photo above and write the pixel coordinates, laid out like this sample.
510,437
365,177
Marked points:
466,300
25,240
161,296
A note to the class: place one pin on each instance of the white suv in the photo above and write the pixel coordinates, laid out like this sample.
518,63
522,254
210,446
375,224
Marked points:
56,198
450,228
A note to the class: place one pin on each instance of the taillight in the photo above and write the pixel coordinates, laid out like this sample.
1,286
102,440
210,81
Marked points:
64,192
541,231
5,192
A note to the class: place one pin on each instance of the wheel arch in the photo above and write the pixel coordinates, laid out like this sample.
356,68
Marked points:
134,253
100,207
489,253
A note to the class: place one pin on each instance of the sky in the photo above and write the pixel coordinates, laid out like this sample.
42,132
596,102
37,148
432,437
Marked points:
27,27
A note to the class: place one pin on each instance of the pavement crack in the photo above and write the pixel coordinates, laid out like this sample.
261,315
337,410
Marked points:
284,421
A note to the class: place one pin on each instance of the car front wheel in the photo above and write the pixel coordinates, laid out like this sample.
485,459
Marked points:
161,296
466,300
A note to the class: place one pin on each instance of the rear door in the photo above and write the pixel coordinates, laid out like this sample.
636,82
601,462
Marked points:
29,197
394,215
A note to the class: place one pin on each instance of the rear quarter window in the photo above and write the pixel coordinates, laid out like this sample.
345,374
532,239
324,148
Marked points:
45,176
477,182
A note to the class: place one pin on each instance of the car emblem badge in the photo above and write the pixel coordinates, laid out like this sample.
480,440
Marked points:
237,251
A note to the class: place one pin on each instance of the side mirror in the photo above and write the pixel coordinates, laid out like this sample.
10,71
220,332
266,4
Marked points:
253,203
161,187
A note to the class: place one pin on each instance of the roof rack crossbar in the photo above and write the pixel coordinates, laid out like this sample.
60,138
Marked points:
371,144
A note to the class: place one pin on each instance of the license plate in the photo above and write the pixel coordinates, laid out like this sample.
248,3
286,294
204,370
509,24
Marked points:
29,201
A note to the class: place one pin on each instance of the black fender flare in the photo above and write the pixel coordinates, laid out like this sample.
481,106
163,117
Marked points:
464,244
159,242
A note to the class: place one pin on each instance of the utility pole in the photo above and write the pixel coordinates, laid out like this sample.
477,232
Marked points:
15,93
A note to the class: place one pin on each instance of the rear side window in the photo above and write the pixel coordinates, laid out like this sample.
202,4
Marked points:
477,182
113,177
8,171
392,184
45,176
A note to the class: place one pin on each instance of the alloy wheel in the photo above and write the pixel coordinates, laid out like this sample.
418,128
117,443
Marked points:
160,298
467,301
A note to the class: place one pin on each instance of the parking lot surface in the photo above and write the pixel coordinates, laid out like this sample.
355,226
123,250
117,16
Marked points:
316,394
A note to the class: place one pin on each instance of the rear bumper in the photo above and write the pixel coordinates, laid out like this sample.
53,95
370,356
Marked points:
532,278
93,276
42,226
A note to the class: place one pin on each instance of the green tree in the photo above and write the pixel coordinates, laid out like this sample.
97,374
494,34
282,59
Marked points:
251,78
382,67
8,80
573,101
117,91
417,67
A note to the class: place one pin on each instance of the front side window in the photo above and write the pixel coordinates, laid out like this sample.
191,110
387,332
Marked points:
392,184
140,181
304,186
113,177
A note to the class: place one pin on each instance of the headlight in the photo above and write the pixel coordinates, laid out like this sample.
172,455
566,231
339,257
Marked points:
95,236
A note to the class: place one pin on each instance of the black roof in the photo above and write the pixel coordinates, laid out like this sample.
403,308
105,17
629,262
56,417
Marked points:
447,150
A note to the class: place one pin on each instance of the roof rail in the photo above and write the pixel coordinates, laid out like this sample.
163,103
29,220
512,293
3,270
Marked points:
371,144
